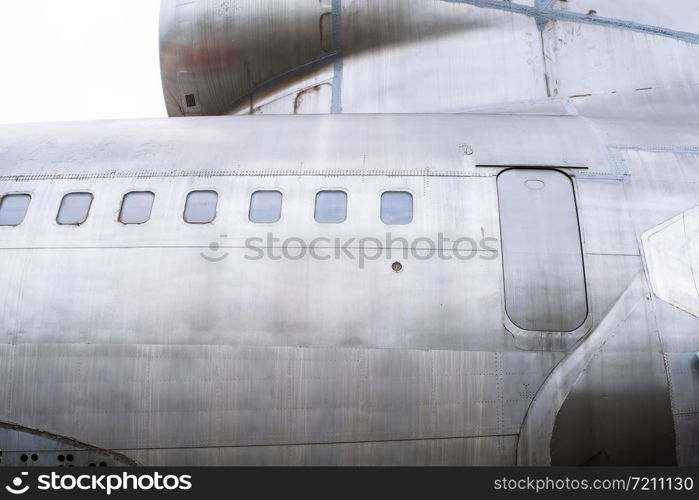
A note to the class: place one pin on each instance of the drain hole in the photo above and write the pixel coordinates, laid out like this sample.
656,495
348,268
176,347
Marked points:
24,458
103,464
190,100
61,458
69,458
35,457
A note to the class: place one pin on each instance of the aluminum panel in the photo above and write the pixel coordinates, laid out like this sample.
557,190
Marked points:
542,255
683,369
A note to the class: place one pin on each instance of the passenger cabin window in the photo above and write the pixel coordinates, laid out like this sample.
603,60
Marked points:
200,207
265,206
397,207
74,208
136,207
13,209
331,207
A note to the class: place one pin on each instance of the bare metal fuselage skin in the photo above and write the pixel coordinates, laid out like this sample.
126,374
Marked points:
145,343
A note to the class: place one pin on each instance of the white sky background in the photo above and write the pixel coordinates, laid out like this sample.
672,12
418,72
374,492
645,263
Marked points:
79,60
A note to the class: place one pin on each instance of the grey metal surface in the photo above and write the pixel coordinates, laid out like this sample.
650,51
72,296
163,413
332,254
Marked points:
541,250
221,397
591,431
498,450
24,447
684,385
289,57
161,343
308,361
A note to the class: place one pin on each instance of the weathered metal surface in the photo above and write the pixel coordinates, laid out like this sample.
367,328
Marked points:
544,273
232,397
683,368
396,56
424,145
305,361
607,420
24,447
162,343
673,260
497,450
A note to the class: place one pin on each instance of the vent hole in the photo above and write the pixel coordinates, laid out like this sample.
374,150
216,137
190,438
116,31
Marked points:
24,457
103,464
397,267
190,100
61,458
35,457
69,458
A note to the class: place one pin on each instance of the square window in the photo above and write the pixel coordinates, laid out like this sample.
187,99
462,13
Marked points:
331,207
74,208
200,207
265,206
13,209
136,207
397,207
